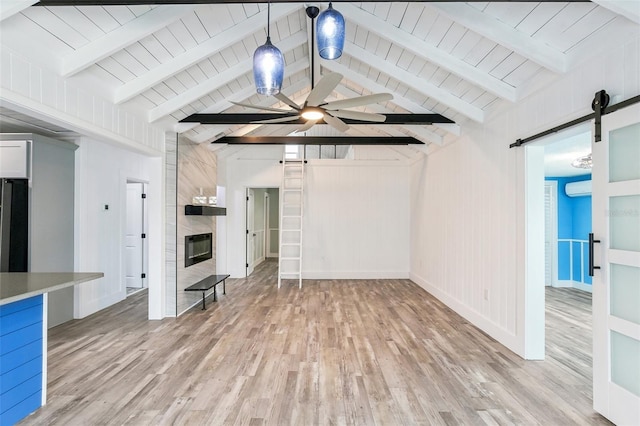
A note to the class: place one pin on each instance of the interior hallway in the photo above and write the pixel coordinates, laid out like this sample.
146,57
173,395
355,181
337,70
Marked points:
336,352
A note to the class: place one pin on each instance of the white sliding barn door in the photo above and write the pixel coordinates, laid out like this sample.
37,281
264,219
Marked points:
616,285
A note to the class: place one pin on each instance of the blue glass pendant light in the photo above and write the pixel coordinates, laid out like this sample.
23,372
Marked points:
268,65
330,33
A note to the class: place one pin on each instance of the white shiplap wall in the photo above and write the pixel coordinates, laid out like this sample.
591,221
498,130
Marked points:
255,167
101,174
356,220
42,93
468,201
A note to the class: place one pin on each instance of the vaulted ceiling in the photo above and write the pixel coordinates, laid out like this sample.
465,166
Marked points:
462,60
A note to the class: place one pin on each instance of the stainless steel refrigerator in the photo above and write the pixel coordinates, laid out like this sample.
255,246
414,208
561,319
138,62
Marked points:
14,225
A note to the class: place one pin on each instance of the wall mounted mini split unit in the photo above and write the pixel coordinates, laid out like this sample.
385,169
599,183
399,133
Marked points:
578,189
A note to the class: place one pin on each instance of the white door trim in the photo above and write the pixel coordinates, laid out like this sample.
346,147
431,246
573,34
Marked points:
554,230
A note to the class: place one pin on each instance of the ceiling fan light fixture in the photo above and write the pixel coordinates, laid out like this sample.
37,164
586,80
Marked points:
584,162
312,113
330,33
268,65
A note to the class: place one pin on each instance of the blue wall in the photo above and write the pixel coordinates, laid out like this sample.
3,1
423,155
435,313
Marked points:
574,222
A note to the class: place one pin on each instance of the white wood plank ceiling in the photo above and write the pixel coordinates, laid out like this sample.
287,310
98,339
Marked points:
461,60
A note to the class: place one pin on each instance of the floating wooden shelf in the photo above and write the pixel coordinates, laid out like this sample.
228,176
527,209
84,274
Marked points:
191,210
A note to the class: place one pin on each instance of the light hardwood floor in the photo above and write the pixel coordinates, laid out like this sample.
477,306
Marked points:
365,352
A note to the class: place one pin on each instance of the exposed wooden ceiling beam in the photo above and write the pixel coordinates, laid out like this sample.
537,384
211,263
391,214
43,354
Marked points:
318,140
428,52
628,9
416,131
211,133
11,7
194,55
374,87
123,36
226,76
141,2
419,84
501,33
246,118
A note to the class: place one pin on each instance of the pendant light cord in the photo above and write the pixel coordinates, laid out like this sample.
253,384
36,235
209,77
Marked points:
268,19
313,42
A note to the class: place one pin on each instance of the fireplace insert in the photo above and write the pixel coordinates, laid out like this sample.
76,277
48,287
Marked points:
197,248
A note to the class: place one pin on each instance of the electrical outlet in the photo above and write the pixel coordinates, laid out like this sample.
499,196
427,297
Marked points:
486,294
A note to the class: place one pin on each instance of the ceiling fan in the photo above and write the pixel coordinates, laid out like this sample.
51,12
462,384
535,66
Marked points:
316,109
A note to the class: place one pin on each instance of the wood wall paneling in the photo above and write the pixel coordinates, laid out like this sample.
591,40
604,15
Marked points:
468,205
101,174
54,99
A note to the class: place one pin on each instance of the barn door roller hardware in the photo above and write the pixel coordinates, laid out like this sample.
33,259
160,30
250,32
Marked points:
598,105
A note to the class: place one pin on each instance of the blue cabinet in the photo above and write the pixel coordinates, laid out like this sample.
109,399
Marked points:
21,359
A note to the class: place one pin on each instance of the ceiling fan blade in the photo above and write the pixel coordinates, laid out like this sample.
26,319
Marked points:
359,101
336,123
309,124
277,120
357,115
324,87
259,107
282,97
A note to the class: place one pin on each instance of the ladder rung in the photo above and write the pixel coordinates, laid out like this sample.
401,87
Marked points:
291,239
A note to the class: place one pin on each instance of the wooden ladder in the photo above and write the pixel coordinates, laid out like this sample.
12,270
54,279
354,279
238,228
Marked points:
291,212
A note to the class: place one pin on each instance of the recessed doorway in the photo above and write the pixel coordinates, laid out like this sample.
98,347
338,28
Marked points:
136,252
262,226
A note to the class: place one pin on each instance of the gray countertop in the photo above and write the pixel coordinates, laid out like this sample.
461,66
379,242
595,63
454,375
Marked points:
16,286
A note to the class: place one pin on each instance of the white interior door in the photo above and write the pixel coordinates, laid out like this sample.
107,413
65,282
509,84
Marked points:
134,247
616,285
250,255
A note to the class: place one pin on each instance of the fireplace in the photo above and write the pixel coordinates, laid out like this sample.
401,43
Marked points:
197,248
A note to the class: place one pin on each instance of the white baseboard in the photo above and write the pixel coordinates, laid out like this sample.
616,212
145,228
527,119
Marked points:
90,307
355,275
257,262
582,286
573,284
511,341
